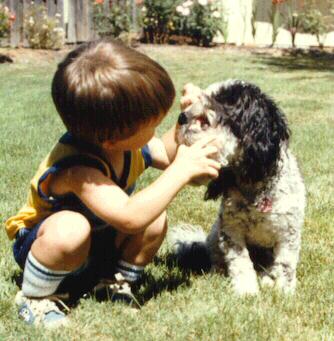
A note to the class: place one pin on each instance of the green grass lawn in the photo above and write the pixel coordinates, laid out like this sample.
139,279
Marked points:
178,306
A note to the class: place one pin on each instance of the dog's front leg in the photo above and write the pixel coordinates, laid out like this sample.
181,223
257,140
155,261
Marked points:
239,265
283,271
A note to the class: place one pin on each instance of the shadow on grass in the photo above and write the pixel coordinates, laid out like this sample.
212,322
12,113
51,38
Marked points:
179,269
299,59
81,286
151,285
194,261
176,277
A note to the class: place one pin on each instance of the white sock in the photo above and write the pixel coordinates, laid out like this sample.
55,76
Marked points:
38,280
130,272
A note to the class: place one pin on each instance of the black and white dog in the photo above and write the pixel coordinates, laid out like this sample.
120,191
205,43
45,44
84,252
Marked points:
263,194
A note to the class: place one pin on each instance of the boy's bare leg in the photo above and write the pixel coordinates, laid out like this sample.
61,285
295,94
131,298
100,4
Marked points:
62,245
140,249
63,241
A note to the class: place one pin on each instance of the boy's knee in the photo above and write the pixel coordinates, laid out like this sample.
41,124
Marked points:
70,233
158,229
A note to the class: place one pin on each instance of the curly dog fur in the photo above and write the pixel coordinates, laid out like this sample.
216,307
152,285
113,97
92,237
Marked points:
263,194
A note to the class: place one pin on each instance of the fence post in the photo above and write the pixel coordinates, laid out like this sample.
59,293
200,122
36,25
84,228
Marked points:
71,32
82,22
52,8
16,32
60,10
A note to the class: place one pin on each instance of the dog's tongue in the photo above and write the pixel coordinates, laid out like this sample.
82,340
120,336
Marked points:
265,205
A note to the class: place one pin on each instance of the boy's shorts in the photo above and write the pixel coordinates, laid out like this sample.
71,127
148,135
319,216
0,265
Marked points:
100,263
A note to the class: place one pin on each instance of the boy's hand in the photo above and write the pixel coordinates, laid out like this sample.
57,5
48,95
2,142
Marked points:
195,162
190,94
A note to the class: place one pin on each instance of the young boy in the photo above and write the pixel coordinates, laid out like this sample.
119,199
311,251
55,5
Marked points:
80,223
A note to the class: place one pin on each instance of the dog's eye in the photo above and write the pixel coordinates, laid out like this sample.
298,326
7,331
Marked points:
203,120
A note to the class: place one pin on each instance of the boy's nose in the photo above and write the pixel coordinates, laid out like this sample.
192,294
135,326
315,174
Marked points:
182,119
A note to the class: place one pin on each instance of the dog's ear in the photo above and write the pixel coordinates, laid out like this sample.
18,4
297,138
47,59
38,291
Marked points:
263,130
258,123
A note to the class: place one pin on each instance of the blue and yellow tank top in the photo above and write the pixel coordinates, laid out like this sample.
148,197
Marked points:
69,152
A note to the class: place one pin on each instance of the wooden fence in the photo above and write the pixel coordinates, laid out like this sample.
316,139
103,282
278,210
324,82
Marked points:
77,18
78,23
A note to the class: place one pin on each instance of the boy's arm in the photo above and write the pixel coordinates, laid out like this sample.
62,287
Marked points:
163,151
133,214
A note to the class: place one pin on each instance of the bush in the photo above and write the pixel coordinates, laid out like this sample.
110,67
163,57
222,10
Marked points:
42,31
199,20
6,19
313,22
158,20
112,23
202,22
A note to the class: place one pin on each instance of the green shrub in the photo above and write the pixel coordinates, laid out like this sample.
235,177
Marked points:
203,20
6,19
42,31
199,20
313,22
111,23
158,20
316,22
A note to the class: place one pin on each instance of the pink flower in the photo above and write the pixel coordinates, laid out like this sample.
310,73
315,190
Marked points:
99,2
12,17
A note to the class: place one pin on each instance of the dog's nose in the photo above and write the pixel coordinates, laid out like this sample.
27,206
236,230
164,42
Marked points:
182,119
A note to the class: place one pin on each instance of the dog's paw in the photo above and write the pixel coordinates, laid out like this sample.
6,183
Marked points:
267,281
280,283
286,286
245,287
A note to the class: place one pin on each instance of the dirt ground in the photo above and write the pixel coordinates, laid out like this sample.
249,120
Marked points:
26,56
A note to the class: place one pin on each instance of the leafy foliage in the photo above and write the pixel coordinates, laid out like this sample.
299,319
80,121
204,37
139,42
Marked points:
314,22
113,22
198,20
203,22
158,18
6,19
42,31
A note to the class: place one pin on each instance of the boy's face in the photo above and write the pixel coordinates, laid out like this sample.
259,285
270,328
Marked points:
143,135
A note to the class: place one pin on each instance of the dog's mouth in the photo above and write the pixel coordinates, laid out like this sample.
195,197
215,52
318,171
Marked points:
203,121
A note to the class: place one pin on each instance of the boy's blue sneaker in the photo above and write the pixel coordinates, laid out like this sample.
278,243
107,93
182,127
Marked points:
41,311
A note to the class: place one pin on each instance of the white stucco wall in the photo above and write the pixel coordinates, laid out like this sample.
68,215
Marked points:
239,14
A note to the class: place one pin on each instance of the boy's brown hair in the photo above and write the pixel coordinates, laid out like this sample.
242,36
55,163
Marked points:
104,90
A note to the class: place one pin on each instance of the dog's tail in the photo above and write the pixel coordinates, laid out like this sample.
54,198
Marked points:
188,243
